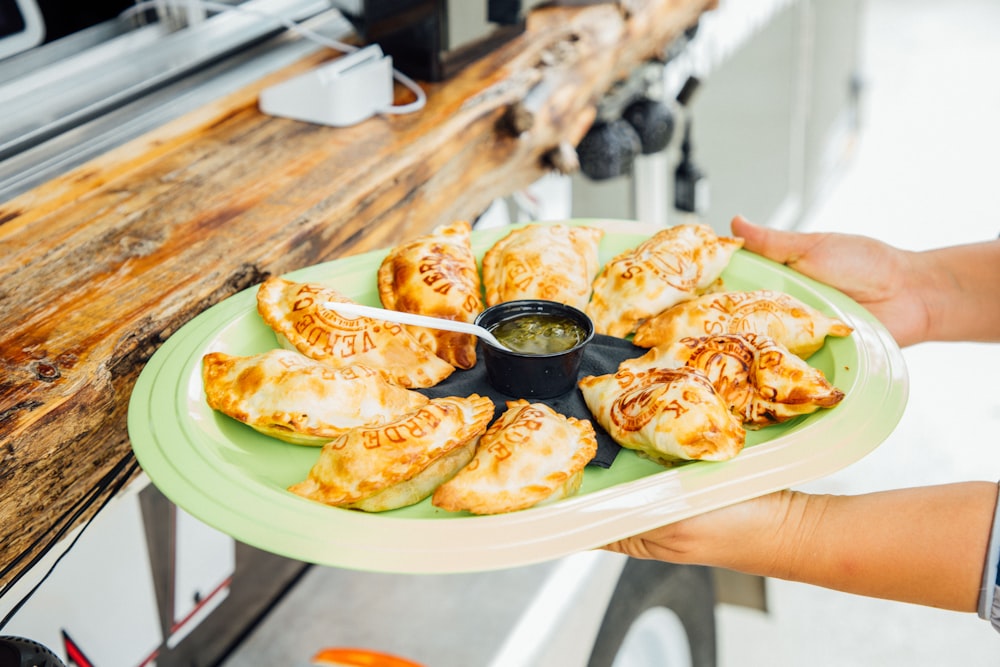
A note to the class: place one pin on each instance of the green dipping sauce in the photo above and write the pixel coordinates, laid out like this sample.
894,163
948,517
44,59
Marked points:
539,333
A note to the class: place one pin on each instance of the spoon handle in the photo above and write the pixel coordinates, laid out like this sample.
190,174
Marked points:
411,318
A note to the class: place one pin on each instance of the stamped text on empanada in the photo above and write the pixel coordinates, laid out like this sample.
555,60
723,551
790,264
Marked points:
420,425
636,407
517,433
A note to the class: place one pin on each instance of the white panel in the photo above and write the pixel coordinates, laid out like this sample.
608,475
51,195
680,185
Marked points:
548,198
101,593
205,561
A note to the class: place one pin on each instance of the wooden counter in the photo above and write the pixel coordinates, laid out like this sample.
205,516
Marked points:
100,266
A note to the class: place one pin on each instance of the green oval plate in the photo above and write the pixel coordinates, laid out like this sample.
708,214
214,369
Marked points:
235,479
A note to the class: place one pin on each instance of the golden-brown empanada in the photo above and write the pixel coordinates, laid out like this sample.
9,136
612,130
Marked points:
675,264
727,362
786,386
796,325
761,381
531,455
550,262
288,396
436,275
385,467
665,414
295,312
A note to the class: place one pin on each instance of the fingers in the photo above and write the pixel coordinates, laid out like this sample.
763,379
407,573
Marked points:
625,547
783,247
742,227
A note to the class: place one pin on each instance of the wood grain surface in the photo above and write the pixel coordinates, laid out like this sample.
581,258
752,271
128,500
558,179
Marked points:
100,266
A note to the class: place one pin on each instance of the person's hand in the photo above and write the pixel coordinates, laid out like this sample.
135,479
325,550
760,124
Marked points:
719,538
874,274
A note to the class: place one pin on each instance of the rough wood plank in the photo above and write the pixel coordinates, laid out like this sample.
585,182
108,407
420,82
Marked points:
99,267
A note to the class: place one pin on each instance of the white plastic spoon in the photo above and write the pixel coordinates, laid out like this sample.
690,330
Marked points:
417,320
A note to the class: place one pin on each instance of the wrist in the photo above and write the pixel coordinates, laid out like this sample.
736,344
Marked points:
959,285
795,531
760,536
935,286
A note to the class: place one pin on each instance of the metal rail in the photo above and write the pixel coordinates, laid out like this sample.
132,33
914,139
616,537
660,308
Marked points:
69,101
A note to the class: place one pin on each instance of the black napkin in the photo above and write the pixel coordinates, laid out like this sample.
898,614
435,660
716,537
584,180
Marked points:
602,356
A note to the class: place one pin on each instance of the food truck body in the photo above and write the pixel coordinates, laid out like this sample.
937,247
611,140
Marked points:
144,582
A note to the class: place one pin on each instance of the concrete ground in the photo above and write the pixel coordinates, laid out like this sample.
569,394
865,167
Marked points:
925,174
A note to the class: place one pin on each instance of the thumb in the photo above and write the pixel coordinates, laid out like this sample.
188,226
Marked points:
783,247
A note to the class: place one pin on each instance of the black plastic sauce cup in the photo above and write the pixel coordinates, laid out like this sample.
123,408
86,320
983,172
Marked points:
524,375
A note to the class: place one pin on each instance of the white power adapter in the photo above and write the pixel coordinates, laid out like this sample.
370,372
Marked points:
341,93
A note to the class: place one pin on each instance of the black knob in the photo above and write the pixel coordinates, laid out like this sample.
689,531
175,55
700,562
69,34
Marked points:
21,652
654,123
608,149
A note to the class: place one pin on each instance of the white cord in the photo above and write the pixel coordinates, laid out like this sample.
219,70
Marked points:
298,29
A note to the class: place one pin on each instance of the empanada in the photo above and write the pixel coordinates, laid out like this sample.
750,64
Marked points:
796,325
786,386
550,262
288,396
675,264
665,414
295,312
760,380
436,275
399,463
529,456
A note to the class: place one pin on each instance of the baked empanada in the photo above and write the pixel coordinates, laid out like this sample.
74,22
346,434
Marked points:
760,380
436,275
796,325
665,414
399,463
288,396
296,314
675,264
550,262
786,386
531,455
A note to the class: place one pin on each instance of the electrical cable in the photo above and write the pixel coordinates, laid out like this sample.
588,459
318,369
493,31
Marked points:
67,518
298,29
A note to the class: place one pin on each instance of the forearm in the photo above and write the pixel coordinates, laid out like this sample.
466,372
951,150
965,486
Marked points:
961,288
925,545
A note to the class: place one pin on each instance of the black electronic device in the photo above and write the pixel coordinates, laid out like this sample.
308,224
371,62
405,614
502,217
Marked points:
433,39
